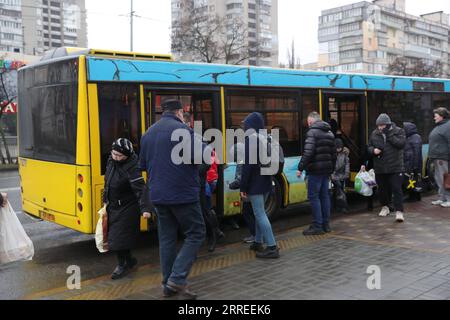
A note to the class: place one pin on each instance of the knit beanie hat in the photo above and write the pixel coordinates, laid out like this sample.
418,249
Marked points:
383,119
124,146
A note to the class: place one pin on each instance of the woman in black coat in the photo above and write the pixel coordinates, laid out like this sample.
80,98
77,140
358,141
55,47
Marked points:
124,196
413,158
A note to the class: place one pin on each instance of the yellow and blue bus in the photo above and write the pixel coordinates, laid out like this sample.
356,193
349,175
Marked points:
75,102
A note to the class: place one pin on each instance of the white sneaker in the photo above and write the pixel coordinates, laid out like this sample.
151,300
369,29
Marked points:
399,216
445,204
437,202
384,212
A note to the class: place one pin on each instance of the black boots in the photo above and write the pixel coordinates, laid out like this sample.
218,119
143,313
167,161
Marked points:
126,263
119,272
214,233
268,253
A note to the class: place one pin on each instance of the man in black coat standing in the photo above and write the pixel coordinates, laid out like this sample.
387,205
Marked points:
386,145
319,161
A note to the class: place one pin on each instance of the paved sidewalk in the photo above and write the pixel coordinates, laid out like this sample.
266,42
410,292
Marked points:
414,259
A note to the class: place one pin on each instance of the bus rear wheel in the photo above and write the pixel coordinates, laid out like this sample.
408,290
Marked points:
273,202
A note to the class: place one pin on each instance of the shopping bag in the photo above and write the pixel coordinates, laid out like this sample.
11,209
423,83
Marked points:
101,231
365,182
15,245
447,181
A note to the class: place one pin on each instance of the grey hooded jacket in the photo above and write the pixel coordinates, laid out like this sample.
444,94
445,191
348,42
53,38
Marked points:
439,141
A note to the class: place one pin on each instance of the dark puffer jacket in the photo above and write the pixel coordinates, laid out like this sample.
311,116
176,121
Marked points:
439,141
124,182
392,144
252,181
319,154
413,149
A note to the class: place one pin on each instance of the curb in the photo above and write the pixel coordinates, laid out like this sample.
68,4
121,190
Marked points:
9,167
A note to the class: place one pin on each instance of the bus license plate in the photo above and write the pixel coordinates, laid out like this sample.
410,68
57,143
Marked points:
47,216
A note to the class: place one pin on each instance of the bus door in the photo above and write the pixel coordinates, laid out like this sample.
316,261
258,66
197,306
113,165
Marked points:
346,114
201,104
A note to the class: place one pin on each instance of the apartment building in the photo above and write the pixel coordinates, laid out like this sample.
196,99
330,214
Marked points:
259,17
368,36
34,26
11,35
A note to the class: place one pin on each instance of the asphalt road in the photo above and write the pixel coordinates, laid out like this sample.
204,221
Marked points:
57,248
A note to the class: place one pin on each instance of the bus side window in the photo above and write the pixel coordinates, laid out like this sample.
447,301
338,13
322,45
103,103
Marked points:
120,117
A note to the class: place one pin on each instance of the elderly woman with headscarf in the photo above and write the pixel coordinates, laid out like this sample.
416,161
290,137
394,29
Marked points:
124,197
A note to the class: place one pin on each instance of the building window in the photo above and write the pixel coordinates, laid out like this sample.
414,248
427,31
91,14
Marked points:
349,27
351,53
234,6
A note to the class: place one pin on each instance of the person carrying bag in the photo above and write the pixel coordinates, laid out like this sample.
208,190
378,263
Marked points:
15,245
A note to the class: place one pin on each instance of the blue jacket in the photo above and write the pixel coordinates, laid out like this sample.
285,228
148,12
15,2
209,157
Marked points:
413,149
252,182
168,183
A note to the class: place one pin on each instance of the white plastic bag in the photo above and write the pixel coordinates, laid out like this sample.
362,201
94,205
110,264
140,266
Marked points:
101,231
15,245
365,182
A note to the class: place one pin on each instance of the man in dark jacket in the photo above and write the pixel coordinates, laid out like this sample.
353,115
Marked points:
413,157
319,161
255,186
386,145
174,191
439,153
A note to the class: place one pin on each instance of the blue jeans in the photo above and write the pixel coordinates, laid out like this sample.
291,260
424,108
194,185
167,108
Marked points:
263,227
188,217
209,190
319,197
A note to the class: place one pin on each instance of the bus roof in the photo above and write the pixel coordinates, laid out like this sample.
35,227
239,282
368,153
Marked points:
106,65
75,51
105,69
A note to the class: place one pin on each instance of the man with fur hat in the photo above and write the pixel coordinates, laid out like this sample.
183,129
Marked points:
386,146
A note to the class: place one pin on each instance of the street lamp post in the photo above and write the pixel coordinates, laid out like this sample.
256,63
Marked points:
131,26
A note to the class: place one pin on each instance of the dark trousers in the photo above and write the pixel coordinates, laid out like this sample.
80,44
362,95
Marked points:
249,217
390,188
123,256
319,197
188,218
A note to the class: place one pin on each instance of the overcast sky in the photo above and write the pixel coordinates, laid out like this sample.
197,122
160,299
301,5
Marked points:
109,26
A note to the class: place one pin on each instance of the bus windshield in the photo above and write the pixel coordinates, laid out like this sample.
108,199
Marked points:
48,114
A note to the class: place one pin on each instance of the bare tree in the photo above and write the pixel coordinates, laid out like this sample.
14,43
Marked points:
209,38
419,68
293,60
235,47
197,35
